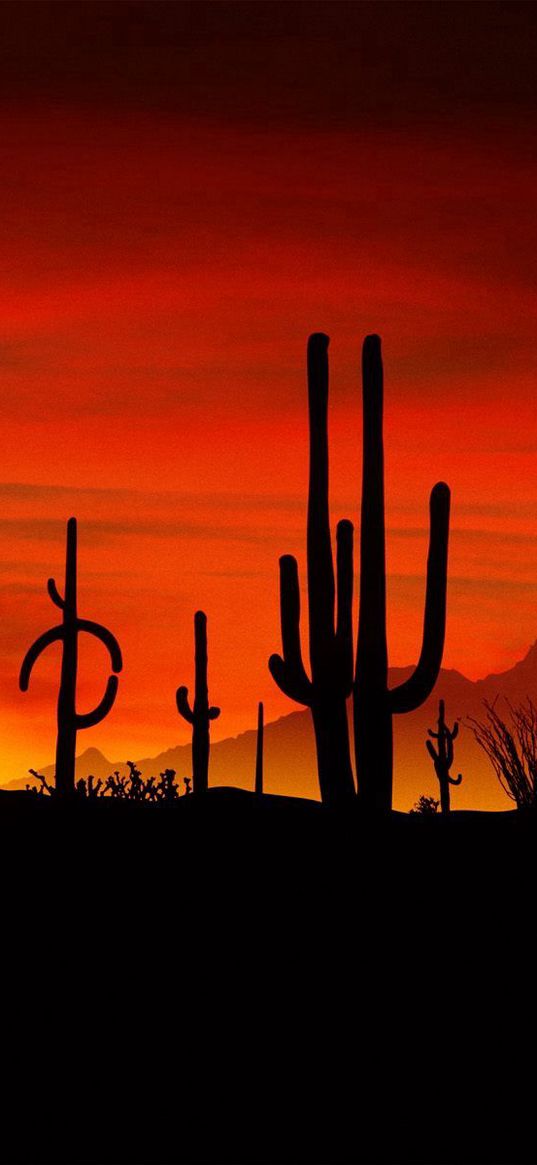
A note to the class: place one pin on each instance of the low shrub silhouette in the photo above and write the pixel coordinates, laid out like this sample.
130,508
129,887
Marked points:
131,787
44,787
89,788
426,806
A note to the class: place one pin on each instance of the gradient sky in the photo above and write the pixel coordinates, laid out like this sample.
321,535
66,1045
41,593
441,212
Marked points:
189,190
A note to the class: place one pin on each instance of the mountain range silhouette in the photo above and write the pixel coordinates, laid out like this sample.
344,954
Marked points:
290,767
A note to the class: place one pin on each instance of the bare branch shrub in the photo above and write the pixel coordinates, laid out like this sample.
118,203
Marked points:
511,749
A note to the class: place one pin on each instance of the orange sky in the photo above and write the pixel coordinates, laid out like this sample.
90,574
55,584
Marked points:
162,266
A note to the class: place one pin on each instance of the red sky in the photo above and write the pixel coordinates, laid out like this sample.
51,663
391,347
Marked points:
187,192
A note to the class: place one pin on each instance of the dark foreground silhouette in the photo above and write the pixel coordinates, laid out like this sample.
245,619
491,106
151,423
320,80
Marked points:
245,978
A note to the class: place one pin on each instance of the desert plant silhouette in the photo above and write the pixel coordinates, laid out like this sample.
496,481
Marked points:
259,751
374,702
331,646
426,806
69,720
201,714
512,750
442,756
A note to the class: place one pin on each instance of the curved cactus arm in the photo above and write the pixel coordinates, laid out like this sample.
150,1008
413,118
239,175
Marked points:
455,730
55,594
214,713
434,735
345,539
455,780
88,719
107,638
414,691
294,686
289,673
183,706
34,652
431,750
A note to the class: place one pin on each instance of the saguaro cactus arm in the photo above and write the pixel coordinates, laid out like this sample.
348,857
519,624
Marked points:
411,694
289,672
34,652
344,640
455,780
214,713
107,638
89,719
183,706
55,594
431,749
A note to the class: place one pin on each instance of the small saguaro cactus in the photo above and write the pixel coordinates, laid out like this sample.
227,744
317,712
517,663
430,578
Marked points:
69,720
374,702
201,714
259,751
330,642
443,758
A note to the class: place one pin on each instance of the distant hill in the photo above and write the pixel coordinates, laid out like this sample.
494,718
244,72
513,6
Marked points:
290,750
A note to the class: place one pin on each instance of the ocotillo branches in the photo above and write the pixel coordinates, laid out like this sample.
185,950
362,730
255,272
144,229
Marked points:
201,714
69,720
442,756
330,643
374,703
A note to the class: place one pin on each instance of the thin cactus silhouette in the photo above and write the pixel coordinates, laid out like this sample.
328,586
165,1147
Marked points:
259,751
374,702
201,714
67,632
443,758
330,643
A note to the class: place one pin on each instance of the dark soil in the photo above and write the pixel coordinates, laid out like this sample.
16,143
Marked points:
238,980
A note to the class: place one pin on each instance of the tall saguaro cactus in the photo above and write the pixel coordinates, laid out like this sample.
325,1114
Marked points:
69,720
330,643
201,714
442,756
374,702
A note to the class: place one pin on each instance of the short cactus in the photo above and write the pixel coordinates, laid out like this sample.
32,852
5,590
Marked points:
69,720
443,758
201,714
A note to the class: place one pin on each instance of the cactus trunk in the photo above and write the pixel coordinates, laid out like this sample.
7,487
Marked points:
200,734
331,730
372,717
445,800
329,706
330,643
374,703
66,739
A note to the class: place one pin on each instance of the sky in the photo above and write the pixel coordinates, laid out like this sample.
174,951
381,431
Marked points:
188,191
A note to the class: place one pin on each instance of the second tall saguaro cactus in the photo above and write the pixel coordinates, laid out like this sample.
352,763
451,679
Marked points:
330,642
200,714
374,702
69,720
